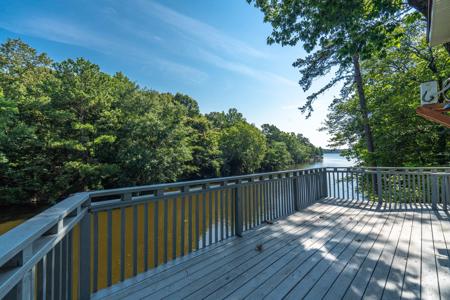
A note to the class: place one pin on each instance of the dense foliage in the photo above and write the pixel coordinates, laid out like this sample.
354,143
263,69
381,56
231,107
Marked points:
377,50
67,127
392,80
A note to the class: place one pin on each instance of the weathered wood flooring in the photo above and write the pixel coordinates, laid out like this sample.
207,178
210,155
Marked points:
333,249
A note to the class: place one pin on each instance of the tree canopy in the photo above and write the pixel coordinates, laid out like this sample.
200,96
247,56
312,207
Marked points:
377,51
67,126
392,78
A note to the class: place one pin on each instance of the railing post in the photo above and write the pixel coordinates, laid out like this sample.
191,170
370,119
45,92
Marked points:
25,288
379,188
238,210
446,188
296,198
434,191
324,183
85,256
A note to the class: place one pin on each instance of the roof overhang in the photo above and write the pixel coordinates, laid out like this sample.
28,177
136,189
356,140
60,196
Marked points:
438,22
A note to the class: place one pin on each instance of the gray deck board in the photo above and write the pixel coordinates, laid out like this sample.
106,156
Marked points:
411,281
394,282
324,236
357,245
288,275
429,278
442,257
242,259
346,247
341,284
333,249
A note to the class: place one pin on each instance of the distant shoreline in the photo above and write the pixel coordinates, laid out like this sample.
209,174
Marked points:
332,150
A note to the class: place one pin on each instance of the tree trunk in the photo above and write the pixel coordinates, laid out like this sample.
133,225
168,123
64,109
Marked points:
363,108
447,47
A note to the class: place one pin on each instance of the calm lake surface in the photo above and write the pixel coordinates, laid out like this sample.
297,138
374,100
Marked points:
330,160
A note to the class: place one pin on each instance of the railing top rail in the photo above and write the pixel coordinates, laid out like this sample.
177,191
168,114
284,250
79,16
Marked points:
20,237
393,168
136,189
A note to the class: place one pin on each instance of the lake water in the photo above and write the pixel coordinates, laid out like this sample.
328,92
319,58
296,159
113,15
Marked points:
331,160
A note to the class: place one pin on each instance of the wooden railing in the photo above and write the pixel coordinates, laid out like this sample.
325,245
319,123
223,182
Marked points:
93,240
391,186
39,258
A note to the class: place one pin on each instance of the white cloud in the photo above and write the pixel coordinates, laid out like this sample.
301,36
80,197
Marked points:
59,31
75,34
122,33
199,30
244,69
190,74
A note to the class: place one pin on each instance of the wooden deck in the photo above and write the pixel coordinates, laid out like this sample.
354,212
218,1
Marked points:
333,249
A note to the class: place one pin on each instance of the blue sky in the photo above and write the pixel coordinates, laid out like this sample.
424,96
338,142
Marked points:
212,50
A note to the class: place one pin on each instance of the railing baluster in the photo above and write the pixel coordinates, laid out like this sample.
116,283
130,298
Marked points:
40,273
238,210
146,229
204,195
296,192
227,211
210,220
174,227
184,190
85,257
197,222
122,244
379,188
216,216
166,228
190,223
64,270
109,238
222,213
156,230
446,179
95,258
435,191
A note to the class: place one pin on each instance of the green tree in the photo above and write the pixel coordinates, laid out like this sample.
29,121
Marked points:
67,126
277,157
392,84
243,148
206,155
71,127
299,147
337,34
221,120
153,145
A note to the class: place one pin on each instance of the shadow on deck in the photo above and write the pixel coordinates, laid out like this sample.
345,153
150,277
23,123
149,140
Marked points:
333,249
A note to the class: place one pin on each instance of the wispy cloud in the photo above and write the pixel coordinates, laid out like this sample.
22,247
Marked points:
128,32
199,30
64,31
61,31
188,73
244,69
